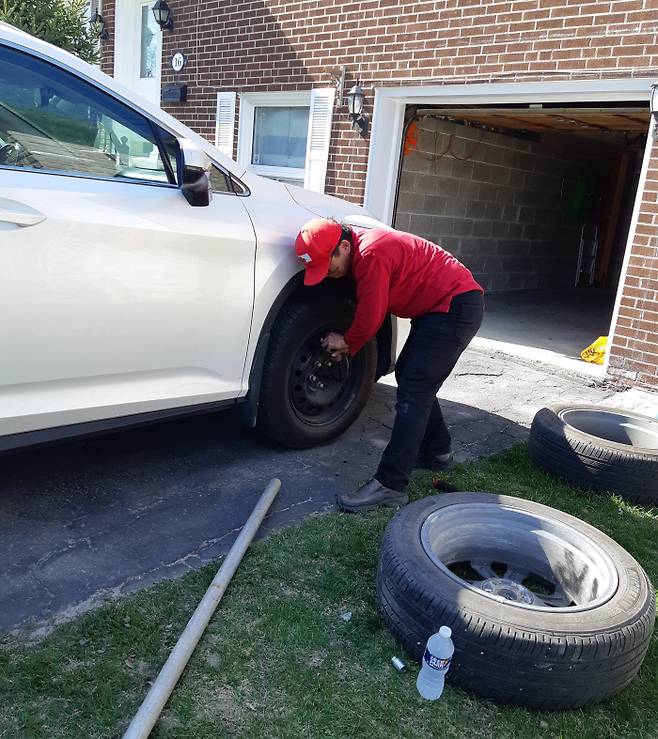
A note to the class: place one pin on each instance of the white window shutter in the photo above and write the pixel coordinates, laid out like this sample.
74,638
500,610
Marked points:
225,123
319,135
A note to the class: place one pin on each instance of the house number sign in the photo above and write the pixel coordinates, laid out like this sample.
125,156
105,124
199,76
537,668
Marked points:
178,61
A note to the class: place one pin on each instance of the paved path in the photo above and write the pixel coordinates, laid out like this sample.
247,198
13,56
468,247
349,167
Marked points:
84,520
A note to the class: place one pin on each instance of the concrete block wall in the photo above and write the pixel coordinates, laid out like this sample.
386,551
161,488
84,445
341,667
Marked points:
495,201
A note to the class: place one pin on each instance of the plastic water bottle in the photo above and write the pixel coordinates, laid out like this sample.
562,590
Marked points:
436,661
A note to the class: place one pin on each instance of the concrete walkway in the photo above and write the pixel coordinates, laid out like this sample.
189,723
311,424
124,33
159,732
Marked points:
547,326
86,520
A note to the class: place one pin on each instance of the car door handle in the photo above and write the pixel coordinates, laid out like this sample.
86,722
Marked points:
11,211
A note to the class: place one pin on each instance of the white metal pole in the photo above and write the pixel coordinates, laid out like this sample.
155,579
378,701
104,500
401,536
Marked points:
148,713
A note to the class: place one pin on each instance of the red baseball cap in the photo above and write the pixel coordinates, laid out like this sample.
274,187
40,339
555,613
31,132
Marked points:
314,246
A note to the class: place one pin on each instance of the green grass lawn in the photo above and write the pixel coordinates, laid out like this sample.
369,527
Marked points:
279,661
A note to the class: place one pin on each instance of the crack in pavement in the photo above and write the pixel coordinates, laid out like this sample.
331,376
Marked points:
197,552
125,586
48,556
194,554
478,374
289,508
45,626
379,423
42,585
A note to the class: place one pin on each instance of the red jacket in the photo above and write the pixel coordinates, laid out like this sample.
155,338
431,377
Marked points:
396,272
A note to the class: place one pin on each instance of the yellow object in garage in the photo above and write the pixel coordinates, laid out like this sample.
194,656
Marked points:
595,352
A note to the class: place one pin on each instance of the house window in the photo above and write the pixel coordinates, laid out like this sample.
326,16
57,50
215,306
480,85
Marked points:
280,137
284,136
273,133
91,8
149,47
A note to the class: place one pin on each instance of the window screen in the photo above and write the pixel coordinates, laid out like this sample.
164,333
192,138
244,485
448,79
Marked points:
280,135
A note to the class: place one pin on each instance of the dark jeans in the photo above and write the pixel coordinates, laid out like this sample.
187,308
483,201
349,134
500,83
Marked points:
435,343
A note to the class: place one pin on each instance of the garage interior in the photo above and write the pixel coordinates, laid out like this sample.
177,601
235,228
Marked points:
537,201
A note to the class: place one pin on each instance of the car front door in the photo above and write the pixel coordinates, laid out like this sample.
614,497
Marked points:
116,296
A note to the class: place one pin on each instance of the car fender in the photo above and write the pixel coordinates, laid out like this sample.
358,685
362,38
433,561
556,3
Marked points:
260,351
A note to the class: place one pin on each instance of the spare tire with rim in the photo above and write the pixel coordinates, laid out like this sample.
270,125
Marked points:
599,448
546,611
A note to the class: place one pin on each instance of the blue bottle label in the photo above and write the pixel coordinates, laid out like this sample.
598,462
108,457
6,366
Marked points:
436,663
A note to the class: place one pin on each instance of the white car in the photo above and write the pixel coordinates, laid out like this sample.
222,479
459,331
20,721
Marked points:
121,302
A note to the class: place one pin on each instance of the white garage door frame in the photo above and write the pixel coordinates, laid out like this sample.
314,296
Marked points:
388,120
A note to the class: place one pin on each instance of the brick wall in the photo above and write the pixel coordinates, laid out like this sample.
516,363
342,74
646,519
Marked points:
107,47
253,45
496,202
285,45
634,353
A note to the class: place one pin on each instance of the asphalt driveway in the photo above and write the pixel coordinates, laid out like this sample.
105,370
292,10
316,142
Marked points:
82,521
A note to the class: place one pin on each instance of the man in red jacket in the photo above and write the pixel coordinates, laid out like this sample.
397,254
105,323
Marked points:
396,272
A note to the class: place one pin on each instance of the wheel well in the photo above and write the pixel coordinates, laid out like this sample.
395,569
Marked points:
295,290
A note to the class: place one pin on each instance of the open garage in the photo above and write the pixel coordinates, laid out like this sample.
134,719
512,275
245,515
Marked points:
536,199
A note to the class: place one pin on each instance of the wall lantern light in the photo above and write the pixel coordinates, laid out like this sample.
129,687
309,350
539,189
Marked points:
654,110
98,27
355,98
162,14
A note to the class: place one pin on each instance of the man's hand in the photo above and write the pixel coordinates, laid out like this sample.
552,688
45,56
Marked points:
334,344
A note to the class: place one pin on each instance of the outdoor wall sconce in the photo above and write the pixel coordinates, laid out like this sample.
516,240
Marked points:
162,14
355,98
654,111
98,26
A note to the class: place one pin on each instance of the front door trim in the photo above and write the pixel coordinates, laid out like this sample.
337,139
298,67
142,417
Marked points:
125,46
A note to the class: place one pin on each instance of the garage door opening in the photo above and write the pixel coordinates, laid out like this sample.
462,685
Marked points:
537,201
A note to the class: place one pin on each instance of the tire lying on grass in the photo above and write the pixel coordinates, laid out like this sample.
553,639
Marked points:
598,448
306,397
546,611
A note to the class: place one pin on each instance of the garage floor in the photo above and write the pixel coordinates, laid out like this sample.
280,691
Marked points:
553,325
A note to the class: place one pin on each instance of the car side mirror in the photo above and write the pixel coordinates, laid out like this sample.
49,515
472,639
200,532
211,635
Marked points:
193,177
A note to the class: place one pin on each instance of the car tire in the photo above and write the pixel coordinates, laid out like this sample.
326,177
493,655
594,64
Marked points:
300,404
537,655
598,448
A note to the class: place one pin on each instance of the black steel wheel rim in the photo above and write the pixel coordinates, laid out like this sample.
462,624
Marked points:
321,388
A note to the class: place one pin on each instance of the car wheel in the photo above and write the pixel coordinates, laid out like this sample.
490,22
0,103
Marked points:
546,611
598,448
307,397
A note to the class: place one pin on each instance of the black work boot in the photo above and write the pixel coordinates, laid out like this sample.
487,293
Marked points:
371,496
435,462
